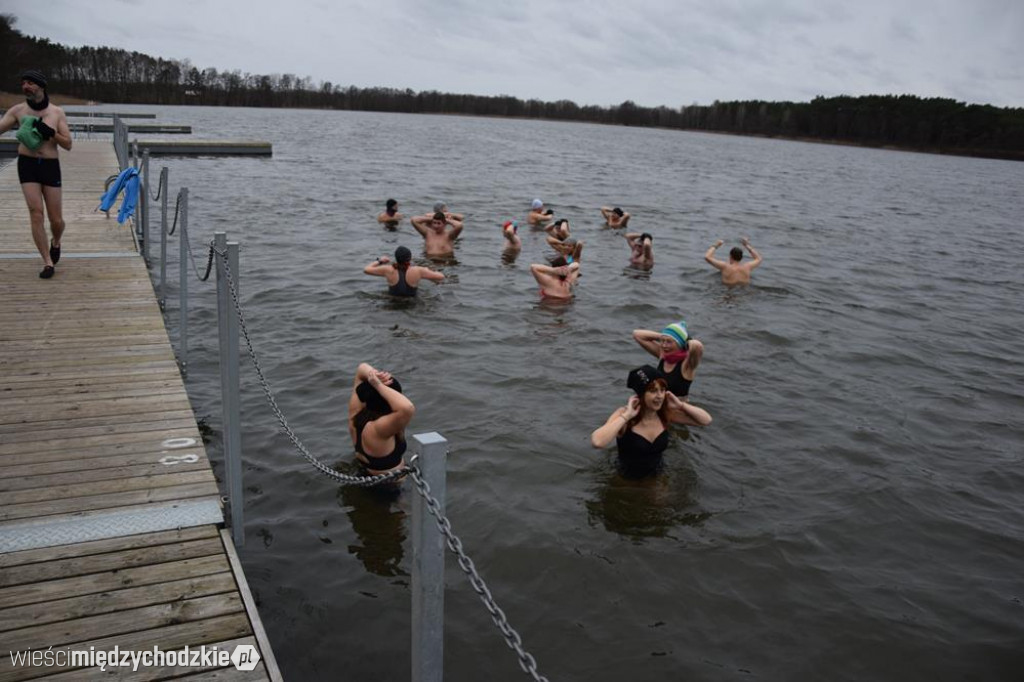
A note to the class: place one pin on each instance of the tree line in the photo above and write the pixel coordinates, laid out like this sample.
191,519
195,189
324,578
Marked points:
114,75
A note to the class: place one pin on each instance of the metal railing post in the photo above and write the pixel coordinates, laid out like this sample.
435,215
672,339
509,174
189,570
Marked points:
163,237
183,284
144,206
428,564
227,323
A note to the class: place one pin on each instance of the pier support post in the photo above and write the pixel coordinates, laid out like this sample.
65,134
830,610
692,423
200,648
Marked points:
163,237
428,563
183,284
144,206
227,319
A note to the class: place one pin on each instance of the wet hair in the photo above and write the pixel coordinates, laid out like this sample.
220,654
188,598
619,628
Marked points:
736,253
439,216
391,203
646,235
617,211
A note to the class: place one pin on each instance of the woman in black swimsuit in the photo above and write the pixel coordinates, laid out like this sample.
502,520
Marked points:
640,429
678,357
377,416
401,275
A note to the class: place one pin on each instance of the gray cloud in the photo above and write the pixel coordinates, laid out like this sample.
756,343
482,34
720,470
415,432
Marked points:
590,51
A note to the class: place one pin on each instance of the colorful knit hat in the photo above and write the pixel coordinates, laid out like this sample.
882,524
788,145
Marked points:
677,330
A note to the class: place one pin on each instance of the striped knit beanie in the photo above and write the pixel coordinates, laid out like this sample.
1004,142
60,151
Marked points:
677,330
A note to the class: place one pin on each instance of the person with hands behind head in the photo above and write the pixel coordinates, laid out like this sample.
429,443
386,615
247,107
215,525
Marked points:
378,414
402,276
734,272
641,249
41,128
678,357
438,239
640,428
615,217
510,230
556,280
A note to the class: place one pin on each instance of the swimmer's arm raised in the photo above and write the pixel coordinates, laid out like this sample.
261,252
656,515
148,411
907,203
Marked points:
432,275
615,426
648,340
420,223
709,256
757,257
457,226
378,267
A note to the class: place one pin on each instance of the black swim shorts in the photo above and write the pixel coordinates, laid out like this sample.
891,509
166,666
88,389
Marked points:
35,169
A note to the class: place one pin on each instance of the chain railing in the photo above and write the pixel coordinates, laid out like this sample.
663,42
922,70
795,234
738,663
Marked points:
512,637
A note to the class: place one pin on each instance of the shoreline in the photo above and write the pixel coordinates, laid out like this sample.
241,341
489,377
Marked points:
8,99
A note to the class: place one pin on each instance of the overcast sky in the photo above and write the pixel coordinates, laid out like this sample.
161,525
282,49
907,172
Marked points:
654,52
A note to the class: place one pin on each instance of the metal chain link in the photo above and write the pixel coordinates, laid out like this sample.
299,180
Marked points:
177,208
363,481
159,185
512,638
192,257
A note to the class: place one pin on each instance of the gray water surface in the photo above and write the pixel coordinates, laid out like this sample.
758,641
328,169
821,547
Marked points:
854,511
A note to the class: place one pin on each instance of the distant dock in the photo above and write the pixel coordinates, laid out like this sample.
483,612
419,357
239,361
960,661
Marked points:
107,114
152,128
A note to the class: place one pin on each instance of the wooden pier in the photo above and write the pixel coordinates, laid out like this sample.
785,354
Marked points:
111,531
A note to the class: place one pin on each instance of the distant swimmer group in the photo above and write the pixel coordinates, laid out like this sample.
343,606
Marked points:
379,412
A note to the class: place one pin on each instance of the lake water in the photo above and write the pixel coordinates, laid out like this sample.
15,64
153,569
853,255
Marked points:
853,513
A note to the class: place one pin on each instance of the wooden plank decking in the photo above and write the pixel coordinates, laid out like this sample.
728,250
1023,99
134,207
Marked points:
110,524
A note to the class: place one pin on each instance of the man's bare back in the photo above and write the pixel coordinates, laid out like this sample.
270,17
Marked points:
734,272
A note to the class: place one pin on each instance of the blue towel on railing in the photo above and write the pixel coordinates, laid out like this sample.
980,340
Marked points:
128,181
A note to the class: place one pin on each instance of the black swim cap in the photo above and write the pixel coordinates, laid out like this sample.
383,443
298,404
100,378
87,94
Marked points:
403,255
33,76
641,377
374,401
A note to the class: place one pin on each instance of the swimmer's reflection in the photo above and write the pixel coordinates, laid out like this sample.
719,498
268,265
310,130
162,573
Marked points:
644,507
379,523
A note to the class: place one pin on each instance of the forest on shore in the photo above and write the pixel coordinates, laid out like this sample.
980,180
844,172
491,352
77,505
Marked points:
103,74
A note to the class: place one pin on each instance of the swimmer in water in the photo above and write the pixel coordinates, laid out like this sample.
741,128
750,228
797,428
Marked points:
678,357
378,414
539,216
559,229
390,215
402,277
614,217
570,249
734,272
556,280
510,231
439,240
640,428
641,250
441,207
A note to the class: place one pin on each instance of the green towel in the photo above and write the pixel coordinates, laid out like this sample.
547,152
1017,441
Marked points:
27,133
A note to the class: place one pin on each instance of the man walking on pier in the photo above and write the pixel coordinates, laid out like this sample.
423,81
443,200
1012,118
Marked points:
41,127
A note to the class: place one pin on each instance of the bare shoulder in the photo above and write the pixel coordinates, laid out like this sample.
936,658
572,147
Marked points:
18,110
